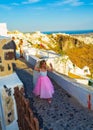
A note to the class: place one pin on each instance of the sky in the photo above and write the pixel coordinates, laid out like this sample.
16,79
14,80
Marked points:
47,15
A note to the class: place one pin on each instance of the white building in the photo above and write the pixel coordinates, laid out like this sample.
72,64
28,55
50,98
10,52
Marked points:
83,72
3,29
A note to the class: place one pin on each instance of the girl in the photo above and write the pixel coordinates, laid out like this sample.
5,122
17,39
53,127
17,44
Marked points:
44,87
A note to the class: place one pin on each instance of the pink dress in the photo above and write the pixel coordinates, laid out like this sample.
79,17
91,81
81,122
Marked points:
44,87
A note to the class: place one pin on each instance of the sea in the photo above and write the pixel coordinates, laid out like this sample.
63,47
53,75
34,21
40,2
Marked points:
71,32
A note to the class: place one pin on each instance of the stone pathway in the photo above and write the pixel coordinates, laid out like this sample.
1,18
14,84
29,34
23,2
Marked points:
64,113
0,125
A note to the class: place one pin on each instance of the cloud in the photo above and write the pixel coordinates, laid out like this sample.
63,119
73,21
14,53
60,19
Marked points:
30,1
75,2
68,2
5,7
15,4
67,9
25,2
33,1
11,5
39,8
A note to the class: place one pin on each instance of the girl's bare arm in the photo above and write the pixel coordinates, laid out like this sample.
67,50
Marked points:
36,68
50,68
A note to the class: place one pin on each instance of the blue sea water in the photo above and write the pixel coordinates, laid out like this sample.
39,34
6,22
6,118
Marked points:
70,32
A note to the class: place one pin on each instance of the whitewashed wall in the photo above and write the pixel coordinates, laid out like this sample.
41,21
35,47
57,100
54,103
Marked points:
10,81
3,29
62,64
79,91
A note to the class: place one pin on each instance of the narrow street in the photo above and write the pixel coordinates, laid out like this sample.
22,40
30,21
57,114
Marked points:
64,113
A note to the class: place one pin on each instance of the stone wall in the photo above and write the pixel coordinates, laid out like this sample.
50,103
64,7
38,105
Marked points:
5,64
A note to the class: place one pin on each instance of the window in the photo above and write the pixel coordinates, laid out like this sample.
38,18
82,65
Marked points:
9,56
9,68
1,68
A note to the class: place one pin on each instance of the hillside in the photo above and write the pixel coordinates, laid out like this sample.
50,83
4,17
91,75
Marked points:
56,42
82,56
80,53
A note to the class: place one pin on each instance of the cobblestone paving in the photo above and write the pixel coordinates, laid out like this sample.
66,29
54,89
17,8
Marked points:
0,125
64,113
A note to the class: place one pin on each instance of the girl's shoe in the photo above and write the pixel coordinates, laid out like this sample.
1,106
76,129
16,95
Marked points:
49,101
